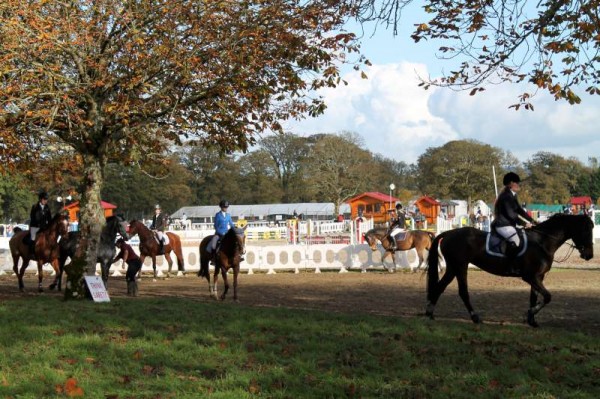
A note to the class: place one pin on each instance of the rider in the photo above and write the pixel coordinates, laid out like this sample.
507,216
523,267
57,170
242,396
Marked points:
508,213
398,225
39,218
222,225
158,226
134,265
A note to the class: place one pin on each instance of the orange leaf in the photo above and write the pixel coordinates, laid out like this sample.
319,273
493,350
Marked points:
71,388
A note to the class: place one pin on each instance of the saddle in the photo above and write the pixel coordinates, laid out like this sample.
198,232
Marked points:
165,238
401,236
495,244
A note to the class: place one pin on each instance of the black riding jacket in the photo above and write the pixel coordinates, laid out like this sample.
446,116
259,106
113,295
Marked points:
508,209
40,217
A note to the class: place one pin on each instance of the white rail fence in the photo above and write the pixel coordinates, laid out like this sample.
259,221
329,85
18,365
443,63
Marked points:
270,259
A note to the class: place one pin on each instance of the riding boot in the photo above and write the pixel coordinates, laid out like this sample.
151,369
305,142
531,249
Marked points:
161,245
32,248
512,250
393,245
130,288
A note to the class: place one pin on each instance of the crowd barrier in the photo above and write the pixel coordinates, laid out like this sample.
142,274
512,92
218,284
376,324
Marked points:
271,259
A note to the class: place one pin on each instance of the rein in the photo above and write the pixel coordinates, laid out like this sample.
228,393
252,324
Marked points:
570,250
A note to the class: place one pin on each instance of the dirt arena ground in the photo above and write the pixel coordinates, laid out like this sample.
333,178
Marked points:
575,286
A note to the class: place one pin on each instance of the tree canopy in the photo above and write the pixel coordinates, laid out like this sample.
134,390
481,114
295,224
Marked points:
553,45
124,81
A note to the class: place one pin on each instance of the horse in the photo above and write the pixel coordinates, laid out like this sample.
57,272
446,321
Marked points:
466,245
46,248
149,246
106,249
420,240
228,256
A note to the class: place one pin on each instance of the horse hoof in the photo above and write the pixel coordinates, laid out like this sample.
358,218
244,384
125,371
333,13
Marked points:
430,315
40,289
51,287
531,319
476,319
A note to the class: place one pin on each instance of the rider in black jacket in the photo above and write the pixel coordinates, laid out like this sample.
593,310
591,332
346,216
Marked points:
508,213
39,217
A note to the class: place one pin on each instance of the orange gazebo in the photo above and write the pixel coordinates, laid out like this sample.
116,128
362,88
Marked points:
73,210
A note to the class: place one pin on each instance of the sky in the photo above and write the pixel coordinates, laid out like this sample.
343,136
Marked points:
399,120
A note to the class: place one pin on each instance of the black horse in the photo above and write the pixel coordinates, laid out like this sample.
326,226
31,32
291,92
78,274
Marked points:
466,245
106,249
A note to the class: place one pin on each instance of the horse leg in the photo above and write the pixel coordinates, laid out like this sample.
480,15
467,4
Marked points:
170,262
537,286
56,266
105,268
432,297
40,276
385,255
225,283
236,271
20,273
463,292
213,286
142,259
154,266
423,258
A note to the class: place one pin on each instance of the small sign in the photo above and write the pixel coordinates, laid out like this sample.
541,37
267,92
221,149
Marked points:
97,289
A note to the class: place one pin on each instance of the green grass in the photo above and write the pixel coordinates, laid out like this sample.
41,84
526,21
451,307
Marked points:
177,348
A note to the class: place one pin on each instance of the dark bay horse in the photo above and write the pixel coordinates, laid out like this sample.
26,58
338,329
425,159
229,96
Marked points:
466,245
106,248
149,246
229,253
420,240
46,248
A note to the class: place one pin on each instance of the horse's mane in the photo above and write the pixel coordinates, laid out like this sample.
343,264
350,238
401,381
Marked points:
558,220
231,235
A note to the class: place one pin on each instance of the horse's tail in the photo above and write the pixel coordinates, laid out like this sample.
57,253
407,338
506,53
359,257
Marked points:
179,253
432,265
204,272
431,237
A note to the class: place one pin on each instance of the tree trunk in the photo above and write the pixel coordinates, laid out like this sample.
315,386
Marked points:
91,222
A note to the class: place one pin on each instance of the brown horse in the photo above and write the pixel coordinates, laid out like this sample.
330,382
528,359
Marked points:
46,248
467,245
420,240
149,246
228,256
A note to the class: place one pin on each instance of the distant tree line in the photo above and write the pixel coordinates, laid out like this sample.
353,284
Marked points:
290,168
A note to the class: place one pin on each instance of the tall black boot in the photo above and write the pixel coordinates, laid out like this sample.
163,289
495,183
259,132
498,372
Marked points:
32,249
512,250
393,245
161,245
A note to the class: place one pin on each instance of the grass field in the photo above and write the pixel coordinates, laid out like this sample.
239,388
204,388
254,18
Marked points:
181,348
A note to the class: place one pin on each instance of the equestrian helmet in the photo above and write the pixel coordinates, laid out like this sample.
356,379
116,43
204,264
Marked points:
224,204
511,177
398,205
43,195
157,206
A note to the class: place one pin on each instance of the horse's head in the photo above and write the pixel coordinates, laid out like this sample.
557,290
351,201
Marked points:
62,224
371,240
134,226
583,237
117,225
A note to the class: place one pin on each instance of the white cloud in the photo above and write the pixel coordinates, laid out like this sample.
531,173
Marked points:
388,110
400,120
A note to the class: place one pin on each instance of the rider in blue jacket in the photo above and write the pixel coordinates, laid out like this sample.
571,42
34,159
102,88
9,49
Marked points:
222,224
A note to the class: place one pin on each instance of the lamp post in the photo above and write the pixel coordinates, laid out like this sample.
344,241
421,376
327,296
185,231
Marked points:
392,188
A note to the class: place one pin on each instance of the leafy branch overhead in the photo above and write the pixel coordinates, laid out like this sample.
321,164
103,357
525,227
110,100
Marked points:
123,79
552,45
